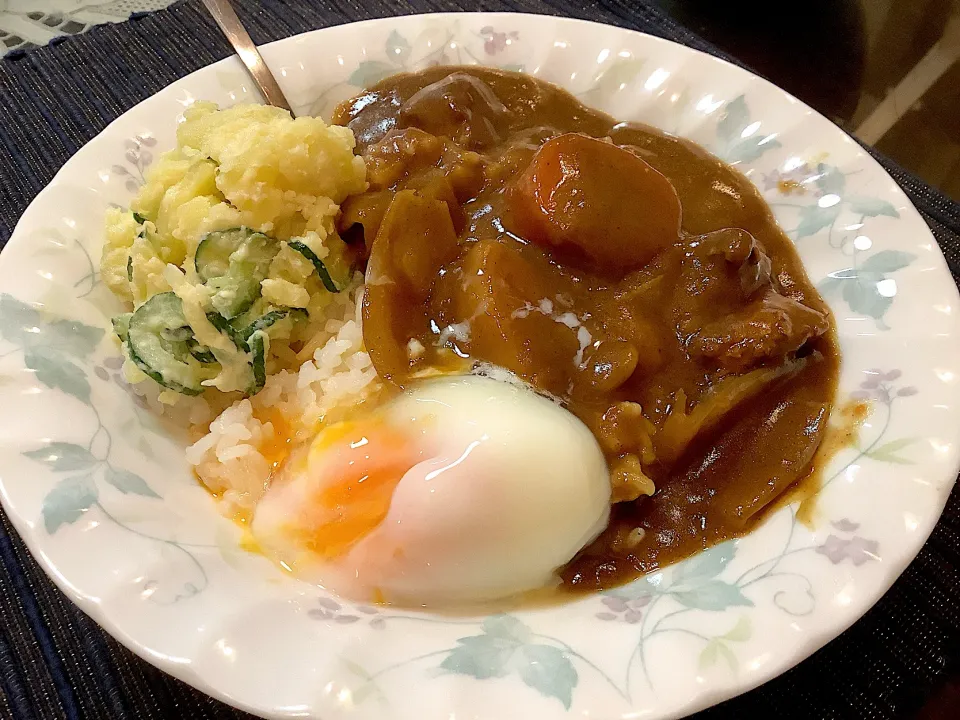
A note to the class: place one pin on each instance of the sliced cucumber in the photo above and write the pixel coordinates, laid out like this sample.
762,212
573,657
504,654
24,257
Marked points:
177,335
212,258
121,325
201,353
233,263
241,332
267,320
257,349
224,326
151,345
321,269
254,312
142,231
252,337
259,343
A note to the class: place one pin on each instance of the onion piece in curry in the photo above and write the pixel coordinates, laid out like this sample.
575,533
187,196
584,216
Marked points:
629,274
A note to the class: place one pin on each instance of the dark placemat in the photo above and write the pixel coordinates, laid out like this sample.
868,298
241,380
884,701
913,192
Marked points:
56,663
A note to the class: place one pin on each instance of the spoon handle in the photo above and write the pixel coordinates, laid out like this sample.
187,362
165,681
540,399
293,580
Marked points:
225,16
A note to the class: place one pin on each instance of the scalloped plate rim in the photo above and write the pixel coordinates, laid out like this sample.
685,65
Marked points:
187,673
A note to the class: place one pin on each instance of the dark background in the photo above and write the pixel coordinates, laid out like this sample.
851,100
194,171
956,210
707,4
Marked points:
843,57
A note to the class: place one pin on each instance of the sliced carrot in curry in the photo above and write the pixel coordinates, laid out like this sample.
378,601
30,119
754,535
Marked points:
597,200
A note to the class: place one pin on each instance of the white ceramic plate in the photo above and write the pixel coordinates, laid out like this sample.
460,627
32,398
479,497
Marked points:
103,497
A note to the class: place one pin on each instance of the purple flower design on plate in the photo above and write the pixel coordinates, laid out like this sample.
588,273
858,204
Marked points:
628,611
138,156
496,42
879,387
856,549
845,525
330,610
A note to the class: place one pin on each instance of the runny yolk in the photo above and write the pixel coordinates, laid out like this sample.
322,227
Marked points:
276,449
361,465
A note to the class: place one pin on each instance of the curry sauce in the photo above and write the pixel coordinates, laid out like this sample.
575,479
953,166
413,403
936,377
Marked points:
628,274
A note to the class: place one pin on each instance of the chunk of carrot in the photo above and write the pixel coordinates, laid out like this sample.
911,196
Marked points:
591,199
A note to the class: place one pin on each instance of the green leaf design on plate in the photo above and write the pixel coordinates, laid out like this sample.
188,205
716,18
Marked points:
728,655
736,117
736,147
356,669
19,323
506,626
397,48
549,671
830,285
369,688
872,207
67,501
72,337
480,656
713,651
751,148
814,218
830,180
834,281
55,371
708,656
504,647
740,632
128,483
863,287
25,325
863,296
712,595
704,566
63,456
888,451
718,647
370,72
887,261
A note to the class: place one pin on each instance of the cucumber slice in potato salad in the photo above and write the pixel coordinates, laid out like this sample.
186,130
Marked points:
159,342
233,263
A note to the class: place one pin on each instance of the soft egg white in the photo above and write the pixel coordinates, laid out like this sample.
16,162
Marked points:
459,490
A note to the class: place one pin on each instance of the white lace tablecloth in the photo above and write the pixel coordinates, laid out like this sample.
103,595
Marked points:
29,23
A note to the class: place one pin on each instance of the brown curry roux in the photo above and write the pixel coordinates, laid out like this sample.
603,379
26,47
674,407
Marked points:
629,274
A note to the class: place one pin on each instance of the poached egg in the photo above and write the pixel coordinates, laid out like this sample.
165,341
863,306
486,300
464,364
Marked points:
459,490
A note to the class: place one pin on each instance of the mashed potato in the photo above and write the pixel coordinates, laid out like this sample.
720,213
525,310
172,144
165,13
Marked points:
267,188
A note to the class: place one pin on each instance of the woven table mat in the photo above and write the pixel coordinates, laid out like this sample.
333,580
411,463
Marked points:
56,663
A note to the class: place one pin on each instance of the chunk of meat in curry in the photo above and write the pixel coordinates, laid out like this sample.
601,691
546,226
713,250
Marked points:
627,273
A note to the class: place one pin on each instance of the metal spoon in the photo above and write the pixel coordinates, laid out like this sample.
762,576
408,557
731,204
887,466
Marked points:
224,15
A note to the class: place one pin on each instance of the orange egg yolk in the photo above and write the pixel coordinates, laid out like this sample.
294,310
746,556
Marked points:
360,467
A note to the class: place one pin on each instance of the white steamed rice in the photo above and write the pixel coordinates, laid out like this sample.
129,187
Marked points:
229,458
